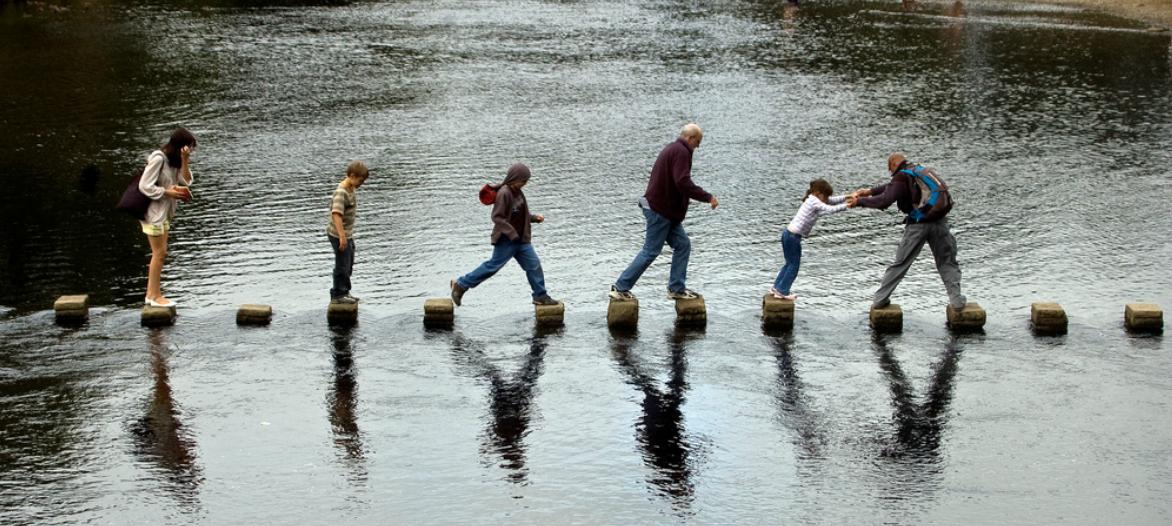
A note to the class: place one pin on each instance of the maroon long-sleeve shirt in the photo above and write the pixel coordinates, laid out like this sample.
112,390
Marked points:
671,185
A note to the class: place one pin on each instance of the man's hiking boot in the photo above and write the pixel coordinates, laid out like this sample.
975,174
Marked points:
620,295
546,300
457,293
685,294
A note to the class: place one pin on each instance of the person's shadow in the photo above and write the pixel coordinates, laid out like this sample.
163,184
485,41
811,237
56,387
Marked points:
795,410
160,440
510,401
342,402
919,427
661,432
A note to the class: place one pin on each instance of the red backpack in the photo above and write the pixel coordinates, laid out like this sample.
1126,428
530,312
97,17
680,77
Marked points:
488,193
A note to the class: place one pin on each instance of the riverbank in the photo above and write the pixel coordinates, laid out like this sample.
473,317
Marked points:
1155,12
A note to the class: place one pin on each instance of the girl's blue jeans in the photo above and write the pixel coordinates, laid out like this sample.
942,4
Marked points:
791,248
502,252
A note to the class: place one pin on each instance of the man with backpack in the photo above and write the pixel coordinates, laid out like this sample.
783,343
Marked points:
923,196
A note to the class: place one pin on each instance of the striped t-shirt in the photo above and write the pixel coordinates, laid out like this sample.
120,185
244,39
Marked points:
344,202
813,208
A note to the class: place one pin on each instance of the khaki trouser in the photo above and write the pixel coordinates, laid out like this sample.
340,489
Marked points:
939,238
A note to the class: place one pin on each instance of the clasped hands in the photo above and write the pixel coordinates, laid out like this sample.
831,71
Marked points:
852,200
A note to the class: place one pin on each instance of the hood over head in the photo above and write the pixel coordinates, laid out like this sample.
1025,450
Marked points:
518,173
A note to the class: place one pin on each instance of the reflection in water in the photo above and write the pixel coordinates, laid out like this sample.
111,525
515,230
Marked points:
511,401
160,440
919,427
342,402
796,414
661,430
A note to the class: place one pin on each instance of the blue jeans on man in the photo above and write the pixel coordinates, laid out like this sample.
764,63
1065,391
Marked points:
502,252
343,266
791,248
660,230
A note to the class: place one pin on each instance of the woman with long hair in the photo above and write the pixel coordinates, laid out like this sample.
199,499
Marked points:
165,180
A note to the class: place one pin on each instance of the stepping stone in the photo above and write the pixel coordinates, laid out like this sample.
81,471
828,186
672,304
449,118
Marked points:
550,315
887,319
251,314
623,313
1144,317
971,317
158,316
1048,318
342,313
777,314
439,312
72,308
691,312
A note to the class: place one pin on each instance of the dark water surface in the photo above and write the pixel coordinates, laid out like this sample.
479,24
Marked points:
1053,127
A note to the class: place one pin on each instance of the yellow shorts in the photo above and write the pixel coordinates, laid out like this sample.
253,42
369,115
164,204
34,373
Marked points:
156,230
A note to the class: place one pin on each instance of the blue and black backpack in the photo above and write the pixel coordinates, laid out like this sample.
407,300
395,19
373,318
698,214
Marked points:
934,200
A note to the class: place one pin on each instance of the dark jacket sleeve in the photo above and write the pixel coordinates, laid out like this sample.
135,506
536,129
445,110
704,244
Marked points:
682,174
502,207
883,196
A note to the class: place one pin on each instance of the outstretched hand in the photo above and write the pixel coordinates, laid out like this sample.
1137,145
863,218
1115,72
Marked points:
714,202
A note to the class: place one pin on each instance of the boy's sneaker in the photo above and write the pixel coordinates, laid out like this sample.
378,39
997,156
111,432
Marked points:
457,293
620,295
685,294
780,296
345,300
545,301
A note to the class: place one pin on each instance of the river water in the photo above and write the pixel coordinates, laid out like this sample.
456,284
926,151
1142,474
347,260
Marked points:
1053,127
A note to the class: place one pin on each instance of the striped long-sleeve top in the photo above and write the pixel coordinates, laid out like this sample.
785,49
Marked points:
813,208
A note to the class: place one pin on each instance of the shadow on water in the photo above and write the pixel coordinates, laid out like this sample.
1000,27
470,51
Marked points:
918,426
342,401
661,431
796,412
160,441
510,400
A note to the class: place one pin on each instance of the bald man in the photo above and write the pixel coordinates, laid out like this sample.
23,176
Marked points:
665,203
903,191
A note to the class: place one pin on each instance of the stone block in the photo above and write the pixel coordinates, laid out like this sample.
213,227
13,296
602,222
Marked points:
550,315
691,312
1144,317
158,316
72,308
1048,318
342,313
251,314
439,312
887,319
777,314
971,317
623,313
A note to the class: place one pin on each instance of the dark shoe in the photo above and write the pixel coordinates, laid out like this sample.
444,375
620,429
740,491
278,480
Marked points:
545,301
457,293
685,294
620,295
882,304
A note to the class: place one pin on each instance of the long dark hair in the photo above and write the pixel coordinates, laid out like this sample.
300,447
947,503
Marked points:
179,139
819,186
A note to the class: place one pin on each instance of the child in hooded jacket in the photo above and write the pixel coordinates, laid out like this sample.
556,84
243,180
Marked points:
510,239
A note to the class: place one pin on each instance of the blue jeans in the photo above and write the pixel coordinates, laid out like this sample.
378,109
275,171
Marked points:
660,230
343,266
791,248
501,254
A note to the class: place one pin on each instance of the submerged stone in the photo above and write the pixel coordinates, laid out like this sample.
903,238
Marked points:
1048,318
72,308
777,314
971,317
252,314
1144,317
550,315
623,313
887,319
691,312
158,316
342,313
439,312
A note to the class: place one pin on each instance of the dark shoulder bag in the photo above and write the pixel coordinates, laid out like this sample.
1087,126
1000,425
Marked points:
133,201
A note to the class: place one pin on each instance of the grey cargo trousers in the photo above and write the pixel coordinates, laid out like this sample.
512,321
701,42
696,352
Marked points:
939,238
